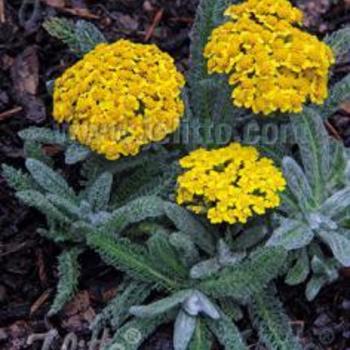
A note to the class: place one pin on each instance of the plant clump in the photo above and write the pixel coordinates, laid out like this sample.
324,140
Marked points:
272,64
120,97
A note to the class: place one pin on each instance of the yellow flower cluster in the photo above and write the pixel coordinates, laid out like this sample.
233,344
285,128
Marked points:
272,64
229,184
120,97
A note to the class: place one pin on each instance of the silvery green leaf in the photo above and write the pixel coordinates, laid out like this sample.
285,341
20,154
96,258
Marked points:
339,41
161,306
339,93
338,167
40,202
227,333
198,303
298,183
205,268
99,192
184,328
314,147
292,234
230,308
65,205
48,179
202,338
76,153
44,135
314,286
226,257
88,35
328,267
250,237
335,205
185,247
318,221
300,271
339,245
190,225
97,219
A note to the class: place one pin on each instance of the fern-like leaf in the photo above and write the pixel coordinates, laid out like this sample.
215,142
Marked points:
68,279
16,179
272,322
247,277
130,258
81,37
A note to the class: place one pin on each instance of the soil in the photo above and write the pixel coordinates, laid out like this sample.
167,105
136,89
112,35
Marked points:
29,58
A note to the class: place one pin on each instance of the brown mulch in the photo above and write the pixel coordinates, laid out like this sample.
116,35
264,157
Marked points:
29,58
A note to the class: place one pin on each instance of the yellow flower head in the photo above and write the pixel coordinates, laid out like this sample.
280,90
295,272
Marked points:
272,64
229,184
120,97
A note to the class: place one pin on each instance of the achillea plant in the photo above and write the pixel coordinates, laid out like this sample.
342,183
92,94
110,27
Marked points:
272,64
229,184
120,97
126,211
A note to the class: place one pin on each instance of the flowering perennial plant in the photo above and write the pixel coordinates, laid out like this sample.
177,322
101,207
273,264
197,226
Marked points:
272,64
120,97
230,184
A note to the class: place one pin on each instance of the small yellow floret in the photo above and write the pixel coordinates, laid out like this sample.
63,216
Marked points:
120,97
272,64
229,184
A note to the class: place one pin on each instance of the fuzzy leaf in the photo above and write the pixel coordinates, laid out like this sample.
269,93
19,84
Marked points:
339,245
81,37
339,93
99,192
131,335
44,136
205,268
298,183
88,36
38,201
68,279
117,311
185,248
161,306
339,41
131,259
66,206
314,147
188,224
184,329
226,333
338,204
166,256
272,322
48,179
198,303
135,211
16,179
314,286
201,339
76,153
300,271
210,13
247,277
292,234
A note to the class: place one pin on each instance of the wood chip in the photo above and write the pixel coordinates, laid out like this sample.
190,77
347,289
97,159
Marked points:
156,20
40,301
10,113
2,12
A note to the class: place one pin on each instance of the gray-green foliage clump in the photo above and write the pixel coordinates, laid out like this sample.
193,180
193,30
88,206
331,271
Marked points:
177,267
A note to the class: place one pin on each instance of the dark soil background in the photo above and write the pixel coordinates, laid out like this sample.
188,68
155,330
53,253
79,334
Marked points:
29,58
